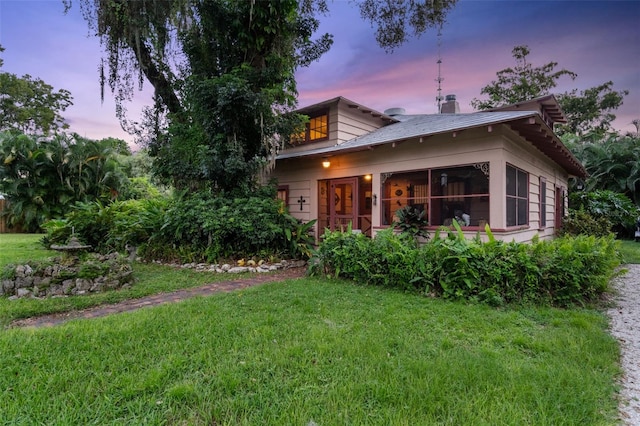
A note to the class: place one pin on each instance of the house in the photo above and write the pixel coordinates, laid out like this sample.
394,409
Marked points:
504,167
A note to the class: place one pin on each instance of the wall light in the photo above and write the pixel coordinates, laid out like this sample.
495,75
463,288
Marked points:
375,200
367,177
326,163
444,179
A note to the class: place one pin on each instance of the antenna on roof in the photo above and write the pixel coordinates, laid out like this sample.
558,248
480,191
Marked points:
440,79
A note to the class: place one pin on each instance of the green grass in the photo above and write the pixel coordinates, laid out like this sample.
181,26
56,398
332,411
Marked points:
630,251
327,351
15,248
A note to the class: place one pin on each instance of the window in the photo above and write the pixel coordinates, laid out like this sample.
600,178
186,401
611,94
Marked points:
318,128
460,193
315,130
517,197
543,202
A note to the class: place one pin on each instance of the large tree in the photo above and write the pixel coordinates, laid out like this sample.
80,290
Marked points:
223,72
589,112
30,105
521,83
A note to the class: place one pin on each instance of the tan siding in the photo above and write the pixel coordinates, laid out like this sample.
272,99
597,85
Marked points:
499,147
353,123
529,159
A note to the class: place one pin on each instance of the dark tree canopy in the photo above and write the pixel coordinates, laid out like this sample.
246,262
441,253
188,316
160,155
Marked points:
30,105
396,20
223,73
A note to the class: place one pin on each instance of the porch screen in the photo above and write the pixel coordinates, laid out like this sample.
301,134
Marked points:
402,190
445,194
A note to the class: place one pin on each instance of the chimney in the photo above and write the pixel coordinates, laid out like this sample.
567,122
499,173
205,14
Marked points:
450,106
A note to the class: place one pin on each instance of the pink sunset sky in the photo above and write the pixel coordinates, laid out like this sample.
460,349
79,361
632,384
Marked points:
598,40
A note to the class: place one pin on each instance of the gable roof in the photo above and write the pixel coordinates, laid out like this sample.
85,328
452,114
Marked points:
310,109
547,105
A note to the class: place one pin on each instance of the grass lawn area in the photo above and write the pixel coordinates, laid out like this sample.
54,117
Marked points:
22,247
327,351
630,251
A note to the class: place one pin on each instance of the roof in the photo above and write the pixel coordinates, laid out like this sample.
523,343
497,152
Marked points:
351,104
548,104
529,124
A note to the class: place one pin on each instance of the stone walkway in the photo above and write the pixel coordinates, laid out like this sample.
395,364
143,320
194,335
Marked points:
158,299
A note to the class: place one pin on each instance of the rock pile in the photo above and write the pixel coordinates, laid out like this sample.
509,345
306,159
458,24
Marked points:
63,276
241,266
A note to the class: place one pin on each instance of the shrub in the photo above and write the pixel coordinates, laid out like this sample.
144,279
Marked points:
562,272
198,227
109,228
205,227
579,222
615,207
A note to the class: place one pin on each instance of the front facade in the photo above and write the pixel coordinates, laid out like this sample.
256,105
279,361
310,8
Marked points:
505,168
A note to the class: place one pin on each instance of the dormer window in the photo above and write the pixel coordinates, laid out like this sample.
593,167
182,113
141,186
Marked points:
317,129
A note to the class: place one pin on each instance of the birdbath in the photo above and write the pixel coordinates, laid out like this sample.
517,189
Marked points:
72,249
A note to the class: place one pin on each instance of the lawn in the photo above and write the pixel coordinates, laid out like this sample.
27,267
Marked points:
21,247
311,351
630,251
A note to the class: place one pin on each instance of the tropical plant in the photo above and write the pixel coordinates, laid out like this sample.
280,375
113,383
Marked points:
612,164
301,239
43,178
412,221
614,207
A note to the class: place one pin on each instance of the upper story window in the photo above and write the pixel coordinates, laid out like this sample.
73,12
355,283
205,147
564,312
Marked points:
316,129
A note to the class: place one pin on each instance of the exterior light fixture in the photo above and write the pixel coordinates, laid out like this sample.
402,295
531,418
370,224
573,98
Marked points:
443,179
326,163
367,177
375,200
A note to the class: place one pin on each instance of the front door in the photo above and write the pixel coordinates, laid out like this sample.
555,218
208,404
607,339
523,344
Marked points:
343,203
